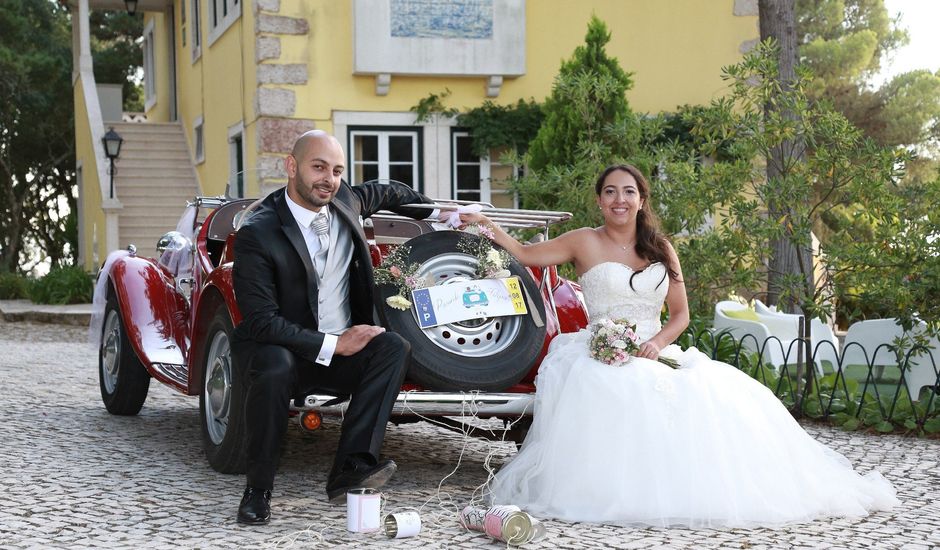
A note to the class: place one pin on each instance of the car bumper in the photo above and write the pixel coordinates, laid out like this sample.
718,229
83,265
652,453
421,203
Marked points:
422,403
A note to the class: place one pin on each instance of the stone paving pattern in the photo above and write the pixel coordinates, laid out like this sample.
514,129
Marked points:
74,476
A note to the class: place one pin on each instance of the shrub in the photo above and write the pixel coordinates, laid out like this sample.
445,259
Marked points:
63,285
13,286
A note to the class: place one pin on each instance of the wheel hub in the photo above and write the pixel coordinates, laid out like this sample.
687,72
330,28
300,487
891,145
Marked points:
218,387
474,337
111,351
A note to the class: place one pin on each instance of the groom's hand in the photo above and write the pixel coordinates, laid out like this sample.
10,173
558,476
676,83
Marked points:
353,340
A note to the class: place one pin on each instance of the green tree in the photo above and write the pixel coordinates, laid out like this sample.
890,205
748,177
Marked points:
36,141
589,93
839,168
845,43
117,52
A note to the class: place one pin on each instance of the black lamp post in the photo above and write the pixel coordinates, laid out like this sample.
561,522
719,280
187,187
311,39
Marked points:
131,6
112,148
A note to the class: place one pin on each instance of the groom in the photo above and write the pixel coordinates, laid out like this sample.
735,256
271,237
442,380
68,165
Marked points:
304,285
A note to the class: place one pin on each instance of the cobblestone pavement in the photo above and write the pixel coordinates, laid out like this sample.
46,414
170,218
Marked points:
74,476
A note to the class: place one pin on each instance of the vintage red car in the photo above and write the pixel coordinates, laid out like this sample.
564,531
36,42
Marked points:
170,318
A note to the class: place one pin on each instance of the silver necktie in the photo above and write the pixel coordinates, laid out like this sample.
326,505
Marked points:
321,226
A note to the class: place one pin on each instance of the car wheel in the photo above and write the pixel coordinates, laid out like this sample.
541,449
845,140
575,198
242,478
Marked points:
222,400
488,354
122,377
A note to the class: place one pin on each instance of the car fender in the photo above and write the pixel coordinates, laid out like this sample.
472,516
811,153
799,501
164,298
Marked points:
217,290
155,314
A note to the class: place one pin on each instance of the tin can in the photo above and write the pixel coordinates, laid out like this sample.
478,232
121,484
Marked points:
508,523
402,524
362,510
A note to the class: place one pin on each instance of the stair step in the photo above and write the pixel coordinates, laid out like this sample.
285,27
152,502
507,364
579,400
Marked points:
154,163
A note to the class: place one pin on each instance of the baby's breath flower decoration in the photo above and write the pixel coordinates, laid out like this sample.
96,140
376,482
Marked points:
491,263
396,270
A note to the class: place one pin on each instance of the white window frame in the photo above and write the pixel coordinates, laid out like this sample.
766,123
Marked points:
236,131
195,35
383,161
221,15
150,81
199,140
486,165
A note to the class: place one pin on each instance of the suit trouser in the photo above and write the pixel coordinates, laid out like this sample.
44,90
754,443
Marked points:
275,375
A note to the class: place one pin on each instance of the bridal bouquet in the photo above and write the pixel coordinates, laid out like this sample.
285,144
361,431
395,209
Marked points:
614,342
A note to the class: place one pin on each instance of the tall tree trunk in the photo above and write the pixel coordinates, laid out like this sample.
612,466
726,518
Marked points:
778,21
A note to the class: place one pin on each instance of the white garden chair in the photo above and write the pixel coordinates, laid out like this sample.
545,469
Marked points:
771,336
825,345
867,342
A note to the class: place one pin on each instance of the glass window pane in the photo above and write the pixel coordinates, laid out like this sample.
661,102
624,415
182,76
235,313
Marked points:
474,196
468,177
364,172
399,148
464,153
404,173
366,148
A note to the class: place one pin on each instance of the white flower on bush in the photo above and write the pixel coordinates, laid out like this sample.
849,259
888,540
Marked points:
398,302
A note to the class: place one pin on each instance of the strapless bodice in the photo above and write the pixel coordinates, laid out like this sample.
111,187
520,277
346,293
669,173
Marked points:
608,294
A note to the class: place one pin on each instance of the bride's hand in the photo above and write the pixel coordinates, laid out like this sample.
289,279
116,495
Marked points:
649,350
473,217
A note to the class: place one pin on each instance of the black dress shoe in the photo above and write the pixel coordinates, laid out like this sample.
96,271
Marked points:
356,475
255,507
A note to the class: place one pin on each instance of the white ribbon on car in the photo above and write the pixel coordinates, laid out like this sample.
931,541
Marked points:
452,217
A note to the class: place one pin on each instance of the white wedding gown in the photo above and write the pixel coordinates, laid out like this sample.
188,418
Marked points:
644,444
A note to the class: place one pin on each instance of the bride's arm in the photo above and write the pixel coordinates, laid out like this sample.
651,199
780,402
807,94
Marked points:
555,251
678,305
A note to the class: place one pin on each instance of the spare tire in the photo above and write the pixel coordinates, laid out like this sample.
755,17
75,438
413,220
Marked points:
487,354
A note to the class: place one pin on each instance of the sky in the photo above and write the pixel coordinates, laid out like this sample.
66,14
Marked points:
921,18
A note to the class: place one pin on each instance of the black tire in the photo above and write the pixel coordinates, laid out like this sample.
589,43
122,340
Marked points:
123,380
486,355
222,399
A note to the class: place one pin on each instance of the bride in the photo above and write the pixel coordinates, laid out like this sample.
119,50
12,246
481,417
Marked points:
643,444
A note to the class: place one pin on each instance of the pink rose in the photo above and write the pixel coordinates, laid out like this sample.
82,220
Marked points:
395,271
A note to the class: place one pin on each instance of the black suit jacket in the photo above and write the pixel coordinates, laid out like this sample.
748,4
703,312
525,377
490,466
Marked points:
273,276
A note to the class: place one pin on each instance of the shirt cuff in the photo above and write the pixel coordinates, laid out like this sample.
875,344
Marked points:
327,349
434,214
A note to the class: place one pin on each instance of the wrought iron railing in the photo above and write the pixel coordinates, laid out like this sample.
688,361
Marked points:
889,391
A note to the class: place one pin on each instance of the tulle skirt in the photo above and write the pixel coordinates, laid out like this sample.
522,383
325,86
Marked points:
700,446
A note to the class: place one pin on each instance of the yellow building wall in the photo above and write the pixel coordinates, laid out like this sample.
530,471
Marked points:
674,49
93,221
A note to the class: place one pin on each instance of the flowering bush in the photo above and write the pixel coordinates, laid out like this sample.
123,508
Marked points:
491,263
396,270
615,341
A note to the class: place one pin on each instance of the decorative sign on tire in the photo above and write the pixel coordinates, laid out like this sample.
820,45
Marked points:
476,299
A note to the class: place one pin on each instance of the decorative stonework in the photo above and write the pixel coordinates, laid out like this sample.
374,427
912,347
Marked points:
493,85
275,102
382,83
748,45
277,135
271,167
746,7
295,73
267,47
279,24
267,5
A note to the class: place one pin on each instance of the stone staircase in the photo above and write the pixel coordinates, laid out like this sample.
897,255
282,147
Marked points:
153,180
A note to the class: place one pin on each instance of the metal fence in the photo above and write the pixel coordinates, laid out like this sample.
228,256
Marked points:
886,389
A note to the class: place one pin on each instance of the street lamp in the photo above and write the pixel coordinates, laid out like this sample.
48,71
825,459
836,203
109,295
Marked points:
131,6
112,148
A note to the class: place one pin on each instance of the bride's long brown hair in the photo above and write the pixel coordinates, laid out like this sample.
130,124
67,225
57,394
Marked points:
651,244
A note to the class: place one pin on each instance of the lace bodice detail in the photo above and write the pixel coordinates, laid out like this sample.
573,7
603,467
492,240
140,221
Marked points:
607,293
